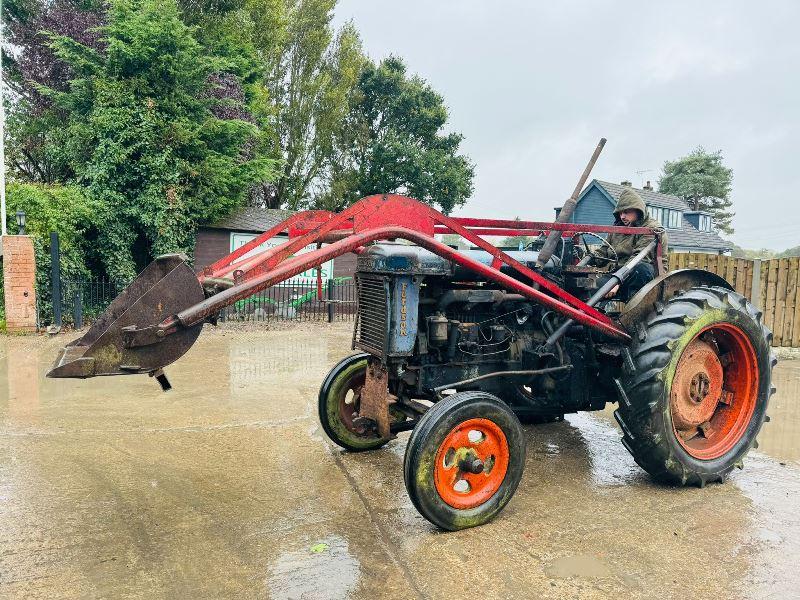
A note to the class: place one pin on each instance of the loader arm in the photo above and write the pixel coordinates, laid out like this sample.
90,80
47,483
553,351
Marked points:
159,316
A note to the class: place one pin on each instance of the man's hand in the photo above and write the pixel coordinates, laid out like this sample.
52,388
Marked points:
613,292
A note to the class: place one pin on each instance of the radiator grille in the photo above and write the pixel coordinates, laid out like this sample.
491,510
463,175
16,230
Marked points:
373,314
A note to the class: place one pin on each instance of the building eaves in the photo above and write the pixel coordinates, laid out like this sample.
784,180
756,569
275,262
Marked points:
252,219
649,196
690,237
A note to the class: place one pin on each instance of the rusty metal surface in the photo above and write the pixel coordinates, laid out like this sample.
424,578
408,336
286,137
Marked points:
569,206
581,313
124,339
375,398
696,387
663,288
157,318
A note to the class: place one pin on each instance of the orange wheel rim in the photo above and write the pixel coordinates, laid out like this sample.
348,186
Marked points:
714,391
471,463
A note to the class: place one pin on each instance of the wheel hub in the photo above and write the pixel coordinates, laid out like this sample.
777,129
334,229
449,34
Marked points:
471,463
714,391
698,389
697,386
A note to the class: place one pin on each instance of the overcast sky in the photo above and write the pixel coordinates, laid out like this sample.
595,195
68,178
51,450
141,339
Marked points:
534,85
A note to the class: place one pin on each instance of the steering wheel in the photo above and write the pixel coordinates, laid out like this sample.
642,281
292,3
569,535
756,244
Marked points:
586,252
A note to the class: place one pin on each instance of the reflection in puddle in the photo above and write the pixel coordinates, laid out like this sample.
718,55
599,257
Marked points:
254,363
324,570
20,368
609,465
780,438
579,565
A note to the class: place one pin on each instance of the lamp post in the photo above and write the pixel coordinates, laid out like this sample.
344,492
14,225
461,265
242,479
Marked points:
21,221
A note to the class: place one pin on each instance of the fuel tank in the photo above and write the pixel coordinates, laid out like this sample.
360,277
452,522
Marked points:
399,258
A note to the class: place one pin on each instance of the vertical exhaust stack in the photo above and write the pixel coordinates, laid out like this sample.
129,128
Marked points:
569,207
118,342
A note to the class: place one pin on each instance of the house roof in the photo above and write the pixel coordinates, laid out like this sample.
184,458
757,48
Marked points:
649,196
688,235
252,219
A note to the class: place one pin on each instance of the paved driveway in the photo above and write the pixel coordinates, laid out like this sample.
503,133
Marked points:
226,487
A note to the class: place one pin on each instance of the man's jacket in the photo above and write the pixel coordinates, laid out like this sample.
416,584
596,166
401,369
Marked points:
627,246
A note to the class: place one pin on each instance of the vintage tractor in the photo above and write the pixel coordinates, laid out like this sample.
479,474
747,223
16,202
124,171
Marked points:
460,346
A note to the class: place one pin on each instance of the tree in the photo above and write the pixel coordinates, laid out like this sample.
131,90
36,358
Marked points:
141,135
393,143
704,182
33,125
789,252
310,73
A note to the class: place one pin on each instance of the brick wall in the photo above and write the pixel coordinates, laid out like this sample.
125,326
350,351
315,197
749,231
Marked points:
19,280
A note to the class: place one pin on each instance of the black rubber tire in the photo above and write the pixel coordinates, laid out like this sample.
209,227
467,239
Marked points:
429,434
330,392
644,386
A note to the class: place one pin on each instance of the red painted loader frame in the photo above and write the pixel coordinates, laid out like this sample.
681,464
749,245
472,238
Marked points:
387,217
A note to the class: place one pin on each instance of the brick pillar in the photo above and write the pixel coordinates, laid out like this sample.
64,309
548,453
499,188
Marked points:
19,280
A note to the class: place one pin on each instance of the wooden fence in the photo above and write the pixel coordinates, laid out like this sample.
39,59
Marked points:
771,285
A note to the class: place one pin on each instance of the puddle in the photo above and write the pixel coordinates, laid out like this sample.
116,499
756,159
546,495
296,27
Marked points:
323,570
227,487
780,438
579,565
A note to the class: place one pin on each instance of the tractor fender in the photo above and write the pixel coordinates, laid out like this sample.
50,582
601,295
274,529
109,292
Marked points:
662,289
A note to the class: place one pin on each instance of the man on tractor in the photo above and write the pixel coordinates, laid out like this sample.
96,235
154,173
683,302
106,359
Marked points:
630,212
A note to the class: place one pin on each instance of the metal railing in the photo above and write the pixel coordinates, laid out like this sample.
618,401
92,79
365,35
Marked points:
298,300
82,301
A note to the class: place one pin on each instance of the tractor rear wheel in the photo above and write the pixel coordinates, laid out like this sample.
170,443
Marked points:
338,404
695,386
464,460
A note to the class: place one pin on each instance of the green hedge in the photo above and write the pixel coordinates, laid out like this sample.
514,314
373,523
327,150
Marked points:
65,209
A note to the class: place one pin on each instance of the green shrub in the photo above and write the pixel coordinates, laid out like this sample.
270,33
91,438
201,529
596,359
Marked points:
66,210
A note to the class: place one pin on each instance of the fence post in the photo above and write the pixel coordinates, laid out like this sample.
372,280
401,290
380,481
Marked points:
55,264
77,309
330,298
755,293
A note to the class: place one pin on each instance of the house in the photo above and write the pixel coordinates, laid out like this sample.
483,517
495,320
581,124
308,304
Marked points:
212,242
687,230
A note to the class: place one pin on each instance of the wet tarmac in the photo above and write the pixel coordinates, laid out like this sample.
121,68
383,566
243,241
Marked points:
226,487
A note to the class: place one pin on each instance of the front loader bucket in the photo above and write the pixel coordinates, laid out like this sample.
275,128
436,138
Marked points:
165,287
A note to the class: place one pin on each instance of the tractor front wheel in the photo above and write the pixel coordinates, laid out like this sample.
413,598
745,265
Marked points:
464,460
695,387
338,404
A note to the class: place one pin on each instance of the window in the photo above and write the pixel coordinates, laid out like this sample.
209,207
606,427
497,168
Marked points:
705,223
669,218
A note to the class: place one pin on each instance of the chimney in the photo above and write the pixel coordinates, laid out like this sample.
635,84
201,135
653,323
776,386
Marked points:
648,187
626,183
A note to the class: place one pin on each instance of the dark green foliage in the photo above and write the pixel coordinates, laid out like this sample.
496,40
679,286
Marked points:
704,182
393,142
170,115
140,134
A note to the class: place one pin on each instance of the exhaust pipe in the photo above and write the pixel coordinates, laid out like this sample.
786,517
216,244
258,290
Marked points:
118,342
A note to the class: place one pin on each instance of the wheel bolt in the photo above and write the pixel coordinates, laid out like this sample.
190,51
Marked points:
474,466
